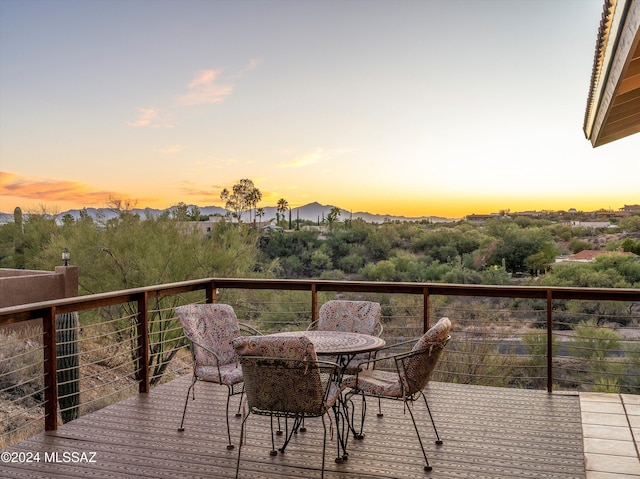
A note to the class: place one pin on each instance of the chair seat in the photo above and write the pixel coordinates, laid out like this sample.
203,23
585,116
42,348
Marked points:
230,373
375,382
335,389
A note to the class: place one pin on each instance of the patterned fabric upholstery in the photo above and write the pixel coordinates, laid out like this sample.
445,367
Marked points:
299,347
349,316
352,317
212,326
282,377
413,369
436,334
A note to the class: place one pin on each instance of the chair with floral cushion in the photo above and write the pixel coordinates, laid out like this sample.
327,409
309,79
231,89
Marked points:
284,379
412,371
353,317
210,328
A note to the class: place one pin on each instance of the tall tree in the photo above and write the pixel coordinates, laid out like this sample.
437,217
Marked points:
253,198
281,207
333,216
241,198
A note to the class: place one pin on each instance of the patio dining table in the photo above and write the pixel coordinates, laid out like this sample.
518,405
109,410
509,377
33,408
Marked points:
344,345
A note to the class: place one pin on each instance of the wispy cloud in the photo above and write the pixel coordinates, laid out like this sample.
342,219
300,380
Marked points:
209,194
149,117
308,158
205,89
169,150
52,190
251,65
145,117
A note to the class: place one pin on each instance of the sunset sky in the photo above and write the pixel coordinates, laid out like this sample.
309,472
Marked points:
394,107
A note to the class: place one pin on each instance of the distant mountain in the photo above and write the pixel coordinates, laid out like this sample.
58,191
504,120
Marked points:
312,212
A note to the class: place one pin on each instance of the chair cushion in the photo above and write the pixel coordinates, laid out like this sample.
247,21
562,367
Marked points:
375,382
213,326
436,335
229,375
280,385
275,346
349,316
335,389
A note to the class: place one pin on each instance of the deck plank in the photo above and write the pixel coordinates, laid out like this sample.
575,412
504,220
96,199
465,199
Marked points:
488,433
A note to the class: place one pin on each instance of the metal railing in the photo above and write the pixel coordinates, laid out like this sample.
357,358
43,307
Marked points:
147,336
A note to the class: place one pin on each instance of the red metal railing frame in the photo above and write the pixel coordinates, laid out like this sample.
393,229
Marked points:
48,310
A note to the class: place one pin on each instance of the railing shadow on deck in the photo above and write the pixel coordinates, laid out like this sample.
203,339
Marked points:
500,338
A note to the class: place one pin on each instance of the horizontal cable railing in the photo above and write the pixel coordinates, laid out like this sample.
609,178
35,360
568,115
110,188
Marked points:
118,343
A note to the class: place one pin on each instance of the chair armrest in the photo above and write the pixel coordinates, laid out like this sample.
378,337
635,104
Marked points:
398,357
204,347
250,329
392,346
379,329
313,326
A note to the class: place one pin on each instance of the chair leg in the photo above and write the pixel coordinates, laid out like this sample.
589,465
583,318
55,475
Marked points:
186,401
289,435
273,451
244,420
380,408
238,413
230,390
415,425
324,446
342,431
363,414
426,403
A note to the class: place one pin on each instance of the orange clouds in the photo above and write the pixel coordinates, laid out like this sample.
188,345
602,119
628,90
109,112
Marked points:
52,190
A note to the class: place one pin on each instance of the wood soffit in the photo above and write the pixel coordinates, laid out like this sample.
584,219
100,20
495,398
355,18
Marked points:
613,105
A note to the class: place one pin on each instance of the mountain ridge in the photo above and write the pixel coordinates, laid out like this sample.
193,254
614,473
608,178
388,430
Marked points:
313,211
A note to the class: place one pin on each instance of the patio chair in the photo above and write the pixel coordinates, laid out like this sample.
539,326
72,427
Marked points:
353,317
412,371
210,328
284,379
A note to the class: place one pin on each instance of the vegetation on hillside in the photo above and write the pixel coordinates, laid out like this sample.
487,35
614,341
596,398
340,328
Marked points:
130,251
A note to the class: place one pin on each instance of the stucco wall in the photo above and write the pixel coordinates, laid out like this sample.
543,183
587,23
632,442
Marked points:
28,286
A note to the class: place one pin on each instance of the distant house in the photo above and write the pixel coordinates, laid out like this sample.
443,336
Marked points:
268,229
630,209
531,214
482,218
588,255
590,224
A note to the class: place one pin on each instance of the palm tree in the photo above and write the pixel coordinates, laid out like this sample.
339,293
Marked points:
281,207
260,213
333,215
253,198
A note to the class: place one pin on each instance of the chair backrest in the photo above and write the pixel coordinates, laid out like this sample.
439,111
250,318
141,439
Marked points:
418,365
349,316
281,375
437,334
213,326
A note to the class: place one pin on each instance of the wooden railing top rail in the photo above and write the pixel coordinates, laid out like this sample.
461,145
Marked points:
26,312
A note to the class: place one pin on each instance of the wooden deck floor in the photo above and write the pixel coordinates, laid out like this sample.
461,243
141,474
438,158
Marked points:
488,433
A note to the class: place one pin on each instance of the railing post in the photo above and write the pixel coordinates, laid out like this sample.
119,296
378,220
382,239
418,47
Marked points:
426,303
212,296
143,342
549,341
314,302
50,370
